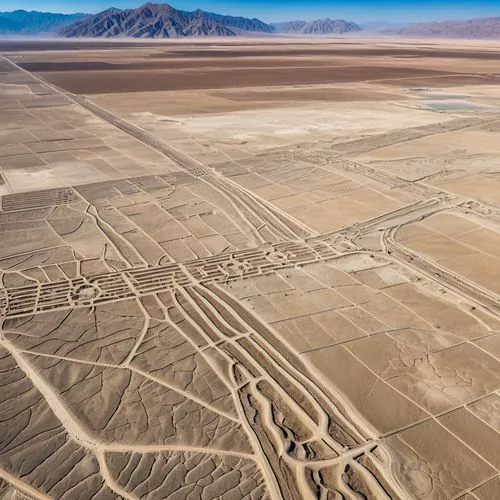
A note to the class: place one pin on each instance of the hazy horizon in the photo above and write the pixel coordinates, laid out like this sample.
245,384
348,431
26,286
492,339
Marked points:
274,11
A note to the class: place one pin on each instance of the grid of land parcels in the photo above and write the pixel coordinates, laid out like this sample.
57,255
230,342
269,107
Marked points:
249,270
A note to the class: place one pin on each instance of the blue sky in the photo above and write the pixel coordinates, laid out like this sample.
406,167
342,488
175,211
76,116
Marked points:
276,10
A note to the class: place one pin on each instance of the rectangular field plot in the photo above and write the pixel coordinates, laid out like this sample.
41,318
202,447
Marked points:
459,244
356,317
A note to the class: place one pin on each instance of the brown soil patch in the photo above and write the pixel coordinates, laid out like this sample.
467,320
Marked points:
98,82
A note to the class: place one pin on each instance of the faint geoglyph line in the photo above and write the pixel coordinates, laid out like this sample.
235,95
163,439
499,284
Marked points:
112,287
266,259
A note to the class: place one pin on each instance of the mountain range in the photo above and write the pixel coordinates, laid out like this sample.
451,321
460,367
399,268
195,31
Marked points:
243,23
319,27
475,29
33,22
9,26
163,21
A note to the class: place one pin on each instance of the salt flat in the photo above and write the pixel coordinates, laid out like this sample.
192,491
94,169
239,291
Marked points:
249,269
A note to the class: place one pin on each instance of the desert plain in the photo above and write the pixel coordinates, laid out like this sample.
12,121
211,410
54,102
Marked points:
250,269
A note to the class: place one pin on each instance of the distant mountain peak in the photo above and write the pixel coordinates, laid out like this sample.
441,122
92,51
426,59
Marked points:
155,7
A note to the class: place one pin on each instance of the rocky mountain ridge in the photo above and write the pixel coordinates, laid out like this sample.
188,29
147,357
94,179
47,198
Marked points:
163,21
318,27
34,22
485,28
160,21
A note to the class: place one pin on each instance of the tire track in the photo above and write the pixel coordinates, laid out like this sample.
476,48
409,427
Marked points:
290,458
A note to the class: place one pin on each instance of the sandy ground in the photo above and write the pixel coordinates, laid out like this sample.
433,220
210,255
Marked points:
258,269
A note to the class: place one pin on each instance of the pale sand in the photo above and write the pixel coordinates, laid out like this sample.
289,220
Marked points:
282,290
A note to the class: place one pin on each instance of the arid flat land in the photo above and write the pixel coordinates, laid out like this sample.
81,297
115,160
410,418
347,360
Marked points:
250,269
